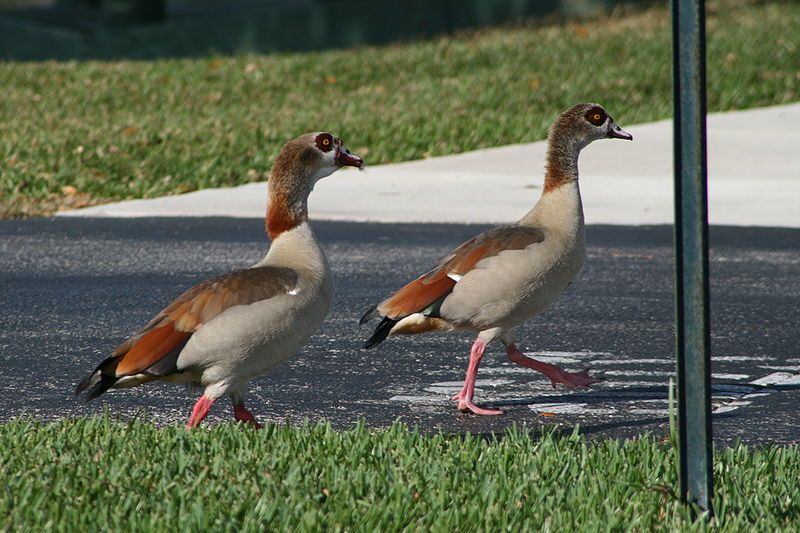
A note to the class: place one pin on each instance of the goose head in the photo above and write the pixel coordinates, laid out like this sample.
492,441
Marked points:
299,165
585,123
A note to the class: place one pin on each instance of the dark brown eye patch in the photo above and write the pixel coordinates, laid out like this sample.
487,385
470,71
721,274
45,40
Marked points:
324,142
596,116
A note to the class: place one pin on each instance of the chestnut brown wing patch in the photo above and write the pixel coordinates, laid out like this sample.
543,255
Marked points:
433,286
171,328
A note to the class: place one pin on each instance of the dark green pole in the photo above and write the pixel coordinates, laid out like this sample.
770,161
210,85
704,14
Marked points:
691,253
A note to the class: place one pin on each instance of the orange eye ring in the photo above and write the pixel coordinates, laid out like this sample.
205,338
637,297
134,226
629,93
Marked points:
326,141
596,117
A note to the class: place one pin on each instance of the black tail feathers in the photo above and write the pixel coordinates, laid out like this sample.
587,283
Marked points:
95,383
369,315
381,332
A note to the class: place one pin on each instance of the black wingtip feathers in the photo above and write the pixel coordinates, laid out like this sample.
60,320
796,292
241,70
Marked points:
380,333
371,313
97,382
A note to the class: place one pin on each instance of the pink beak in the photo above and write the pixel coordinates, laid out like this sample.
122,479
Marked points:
345,158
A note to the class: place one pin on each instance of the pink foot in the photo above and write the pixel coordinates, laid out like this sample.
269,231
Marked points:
466,406
243,415
469,407
199,412
573,380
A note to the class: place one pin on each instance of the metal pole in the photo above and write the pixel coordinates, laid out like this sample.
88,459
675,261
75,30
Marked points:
691,253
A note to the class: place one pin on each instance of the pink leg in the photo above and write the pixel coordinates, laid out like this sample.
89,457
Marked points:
573,380
464,397
243,415
199,412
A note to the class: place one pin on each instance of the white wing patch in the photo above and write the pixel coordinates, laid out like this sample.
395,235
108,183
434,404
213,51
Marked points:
455,277
411,320
295,291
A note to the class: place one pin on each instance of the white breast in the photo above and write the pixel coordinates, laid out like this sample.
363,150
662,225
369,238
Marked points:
248,340
506,289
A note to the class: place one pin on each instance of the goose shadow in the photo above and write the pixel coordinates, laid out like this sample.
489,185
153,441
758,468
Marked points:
727,391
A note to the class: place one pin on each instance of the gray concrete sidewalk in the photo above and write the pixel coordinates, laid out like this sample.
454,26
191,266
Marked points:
754,180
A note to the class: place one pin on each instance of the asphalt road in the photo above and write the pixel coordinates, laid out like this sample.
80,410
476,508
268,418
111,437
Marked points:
72,289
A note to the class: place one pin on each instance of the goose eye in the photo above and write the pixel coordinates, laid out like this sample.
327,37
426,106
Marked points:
596,116
324,142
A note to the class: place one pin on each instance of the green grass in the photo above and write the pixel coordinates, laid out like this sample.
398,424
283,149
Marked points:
94,474
87,132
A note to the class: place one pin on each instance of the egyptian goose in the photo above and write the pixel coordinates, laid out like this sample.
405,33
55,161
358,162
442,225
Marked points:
223,332
504,276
